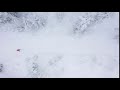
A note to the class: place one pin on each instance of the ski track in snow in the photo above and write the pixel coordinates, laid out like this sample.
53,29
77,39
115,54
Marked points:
57,54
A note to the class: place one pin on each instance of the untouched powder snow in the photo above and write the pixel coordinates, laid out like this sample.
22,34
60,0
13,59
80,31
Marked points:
55,52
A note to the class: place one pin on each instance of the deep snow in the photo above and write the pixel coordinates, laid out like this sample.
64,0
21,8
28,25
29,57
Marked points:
55,51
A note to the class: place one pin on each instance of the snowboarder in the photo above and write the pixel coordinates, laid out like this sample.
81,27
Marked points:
18,50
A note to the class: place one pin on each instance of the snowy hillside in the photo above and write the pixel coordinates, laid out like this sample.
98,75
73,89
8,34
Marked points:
59,44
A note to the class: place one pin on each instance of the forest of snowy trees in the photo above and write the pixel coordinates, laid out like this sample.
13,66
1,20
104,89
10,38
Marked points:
26,21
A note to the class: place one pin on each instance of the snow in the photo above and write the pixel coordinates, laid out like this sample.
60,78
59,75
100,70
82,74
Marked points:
54,51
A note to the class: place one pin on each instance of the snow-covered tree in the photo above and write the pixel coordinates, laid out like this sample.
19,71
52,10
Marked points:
87,20
1,67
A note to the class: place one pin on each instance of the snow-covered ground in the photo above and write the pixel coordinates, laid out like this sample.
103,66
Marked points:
61,45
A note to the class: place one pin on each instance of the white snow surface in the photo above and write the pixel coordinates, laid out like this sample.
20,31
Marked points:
55,52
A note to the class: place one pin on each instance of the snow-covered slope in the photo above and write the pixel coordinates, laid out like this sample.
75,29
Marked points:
69,44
